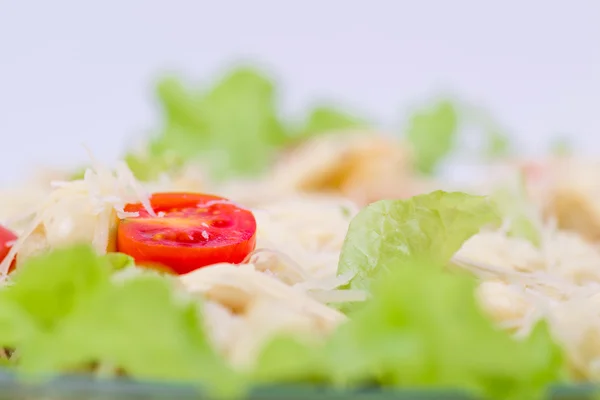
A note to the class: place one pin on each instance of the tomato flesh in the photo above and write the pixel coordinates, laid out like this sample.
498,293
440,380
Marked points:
191,231
7,239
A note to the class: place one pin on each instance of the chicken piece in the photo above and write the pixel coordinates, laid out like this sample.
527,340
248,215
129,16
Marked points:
362,166
501,303
221,325
568,190
575,326
266,318
494,248
237,286
263,306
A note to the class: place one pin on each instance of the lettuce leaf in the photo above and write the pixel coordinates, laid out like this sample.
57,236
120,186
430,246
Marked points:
514,206
496,142
432,132
561,147
233,127
16,326
139,327
65,313
49,287
119,261
424,328
389,233
326,119
498,145
292,359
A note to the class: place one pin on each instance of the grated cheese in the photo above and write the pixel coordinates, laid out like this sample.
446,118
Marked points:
85,210
559,283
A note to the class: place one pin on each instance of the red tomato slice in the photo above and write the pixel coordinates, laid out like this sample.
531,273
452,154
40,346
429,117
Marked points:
191,231
7,239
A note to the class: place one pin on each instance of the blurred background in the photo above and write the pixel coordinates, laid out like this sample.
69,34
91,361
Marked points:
75,72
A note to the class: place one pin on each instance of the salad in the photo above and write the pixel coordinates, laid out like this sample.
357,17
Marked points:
233,249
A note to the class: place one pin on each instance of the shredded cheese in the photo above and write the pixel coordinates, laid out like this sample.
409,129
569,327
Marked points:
78,211
559,282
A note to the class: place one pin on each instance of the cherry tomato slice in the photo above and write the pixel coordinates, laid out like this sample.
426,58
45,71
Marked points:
7,239
191,231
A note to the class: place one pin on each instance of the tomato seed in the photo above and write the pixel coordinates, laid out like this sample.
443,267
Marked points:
221,223
184,237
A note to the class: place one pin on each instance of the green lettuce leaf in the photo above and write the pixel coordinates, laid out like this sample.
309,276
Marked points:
139,327
158,160
424,328
561,147
49,287
181,108
233,127
496,141
16,326
119,261
498,145
292,359
514,206
432,133
242,123
67,312
326,119
389,233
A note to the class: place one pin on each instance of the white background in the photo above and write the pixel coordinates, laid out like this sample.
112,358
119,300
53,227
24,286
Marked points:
75,72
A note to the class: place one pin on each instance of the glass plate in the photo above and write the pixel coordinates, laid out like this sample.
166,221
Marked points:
82,388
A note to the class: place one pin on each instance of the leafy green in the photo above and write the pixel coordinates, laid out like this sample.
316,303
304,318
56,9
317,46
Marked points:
324,119
181,108
233,127
498,145
48,288
496,142
424,328
514,206
77,175
247,140
432,133
65,312
389,233
16,326
158,160
561,147
292,359
119,261
138,327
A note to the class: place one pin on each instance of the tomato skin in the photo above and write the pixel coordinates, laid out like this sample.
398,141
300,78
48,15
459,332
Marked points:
196,230
6,239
